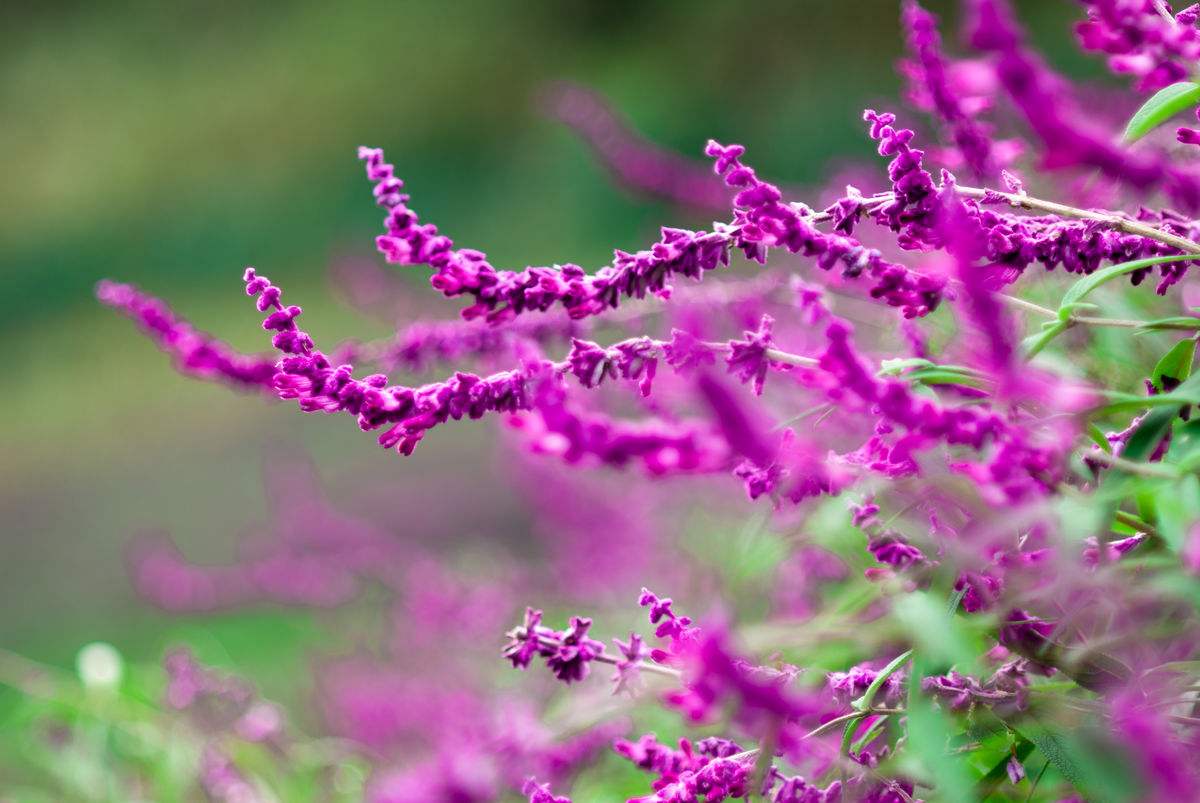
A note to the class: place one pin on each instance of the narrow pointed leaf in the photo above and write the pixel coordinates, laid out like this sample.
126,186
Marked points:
1175,365
1076,292
1162,106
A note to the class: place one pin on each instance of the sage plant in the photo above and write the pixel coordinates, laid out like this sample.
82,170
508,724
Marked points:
985,585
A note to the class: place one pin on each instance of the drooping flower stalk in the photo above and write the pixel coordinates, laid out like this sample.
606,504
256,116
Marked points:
929,70
195,353
634,162
764,221
307,375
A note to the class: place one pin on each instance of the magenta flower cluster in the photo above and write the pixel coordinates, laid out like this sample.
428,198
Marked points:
971,536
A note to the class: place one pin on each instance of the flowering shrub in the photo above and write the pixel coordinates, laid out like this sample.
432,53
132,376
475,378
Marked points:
981,542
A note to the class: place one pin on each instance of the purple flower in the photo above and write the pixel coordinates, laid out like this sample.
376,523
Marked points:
1166,760
590,363
1013,242
864,515
501,295
557,426
1190,555
540,793
980,590
761,222
1068,139
933,84
963,234
195,353
1015,770
217,702
569,662
525,643
892,549
1189,136
222,781
797,790
1141,41
764,221
686,352
1113,550
632,654
709,771
648,754
421,345
1025,633
961,691
715,677
914,206
307,375
634,162
678,629
636,358
567,653
748,359
740,425
1019,466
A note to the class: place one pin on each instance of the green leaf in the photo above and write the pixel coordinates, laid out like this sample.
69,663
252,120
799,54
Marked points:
940,376
898,365
938,634
929,728
1035,343
1149,434
1162,106
864,703
870,733
1184,322
1076,292
927,372
1178,512
1058,754
1185,394
1097,435
1185,446
991,781
1176,364
1093,767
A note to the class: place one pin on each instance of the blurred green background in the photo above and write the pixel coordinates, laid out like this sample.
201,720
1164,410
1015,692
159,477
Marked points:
171,144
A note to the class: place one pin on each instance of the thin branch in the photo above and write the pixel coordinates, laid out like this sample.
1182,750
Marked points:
1123,323
1145,469
1136,523
787,358
844,718
1108,218
1029,306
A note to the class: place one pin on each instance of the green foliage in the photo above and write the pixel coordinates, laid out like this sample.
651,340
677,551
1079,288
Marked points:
1162,106
930,732
74,738
1174,366
1083,287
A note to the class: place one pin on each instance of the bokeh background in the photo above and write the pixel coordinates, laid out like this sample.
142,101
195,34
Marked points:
171,144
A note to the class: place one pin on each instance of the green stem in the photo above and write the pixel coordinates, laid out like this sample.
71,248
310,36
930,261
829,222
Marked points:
1029,306
1136,523
825,727
863,703
1108,218
1145,469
